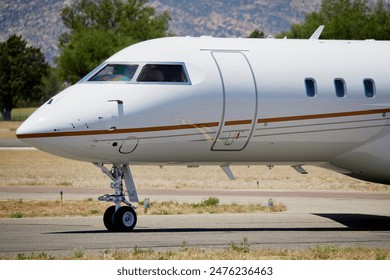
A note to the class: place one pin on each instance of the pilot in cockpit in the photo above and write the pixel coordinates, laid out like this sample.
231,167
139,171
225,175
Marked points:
121,73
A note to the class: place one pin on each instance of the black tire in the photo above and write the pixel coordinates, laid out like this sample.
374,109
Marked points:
109,219
125,218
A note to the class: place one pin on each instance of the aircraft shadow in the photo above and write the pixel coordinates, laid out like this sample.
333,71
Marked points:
361,222
352,222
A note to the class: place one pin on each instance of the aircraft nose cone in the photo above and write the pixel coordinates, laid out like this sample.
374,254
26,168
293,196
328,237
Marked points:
37,131
30,126
25,132
33,128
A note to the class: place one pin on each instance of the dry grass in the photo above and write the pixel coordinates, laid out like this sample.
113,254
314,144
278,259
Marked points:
244,251
241,251
36,168
28,209
8,129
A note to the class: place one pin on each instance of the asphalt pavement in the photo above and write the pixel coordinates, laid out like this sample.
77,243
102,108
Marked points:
308,222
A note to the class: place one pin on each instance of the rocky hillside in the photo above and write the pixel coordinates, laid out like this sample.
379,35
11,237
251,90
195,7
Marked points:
39,21
234,17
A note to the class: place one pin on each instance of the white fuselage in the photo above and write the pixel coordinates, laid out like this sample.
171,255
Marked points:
243,101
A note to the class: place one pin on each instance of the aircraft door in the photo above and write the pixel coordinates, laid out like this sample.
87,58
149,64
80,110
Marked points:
239,101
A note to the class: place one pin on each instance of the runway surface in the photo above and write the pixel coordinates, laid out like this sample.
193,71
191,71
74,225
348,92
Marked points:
345,219
12,143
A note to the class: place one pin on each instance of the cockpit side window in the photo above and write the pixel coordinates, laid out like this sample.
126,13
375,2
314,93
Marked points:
163,73
115,72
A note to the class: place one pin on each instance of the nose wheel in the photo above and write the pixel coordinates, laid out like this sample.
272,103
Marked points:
124,219
117,217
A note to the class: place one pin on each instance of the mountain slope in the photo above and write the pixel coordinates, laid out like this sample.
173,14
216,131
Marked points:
233,17
39,21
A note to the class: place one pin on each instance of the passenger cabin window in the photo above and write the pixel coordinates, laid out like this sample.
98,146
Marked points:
115,72
311,87
163,73
369,88
340,88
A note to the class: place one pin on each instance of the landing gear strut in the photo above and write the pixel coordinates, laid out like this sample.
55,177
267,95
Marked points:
117,217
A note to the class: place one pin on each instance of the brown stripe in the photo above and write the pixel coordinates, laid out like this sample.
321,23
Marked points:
117,131
323,116
240,122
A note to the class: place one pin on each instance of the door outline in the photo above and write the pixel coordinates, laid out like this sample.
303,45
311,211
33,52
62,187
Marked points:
223,128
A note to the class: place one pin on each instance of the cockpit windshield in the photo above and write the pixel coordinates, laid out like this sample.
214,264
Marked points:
115,72
163,73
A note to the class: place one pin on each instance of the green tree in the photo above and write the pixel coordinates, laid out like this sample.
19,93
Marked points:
380,21
22,68
345,19
256,34
100,28
86,49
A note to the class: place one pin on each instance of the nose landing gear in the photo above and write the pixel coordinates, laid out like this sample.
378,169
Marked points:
117,217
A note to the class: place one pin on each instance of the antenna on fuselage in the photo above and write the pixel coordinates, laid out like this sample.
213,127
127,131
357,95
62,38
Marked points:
316,35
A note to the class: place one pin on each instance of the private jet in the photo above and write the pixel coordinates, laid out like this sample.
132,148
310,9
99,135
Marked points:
223,101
